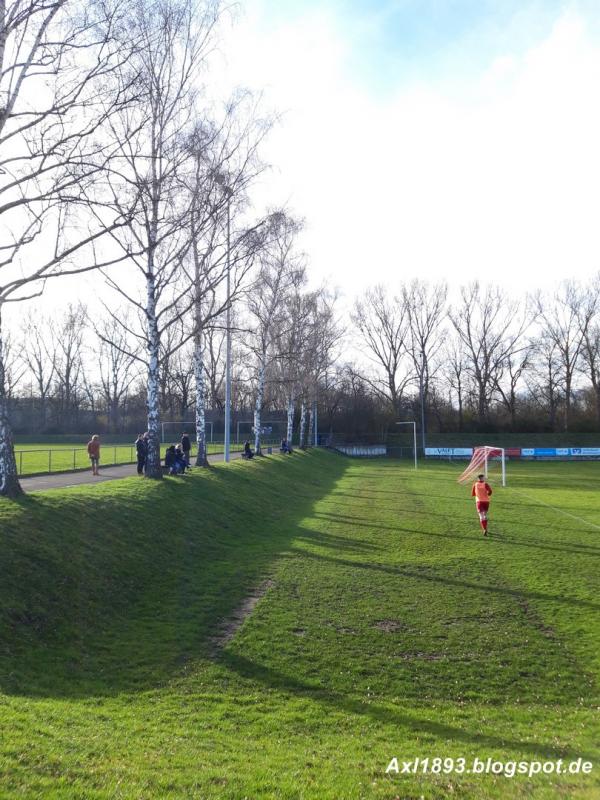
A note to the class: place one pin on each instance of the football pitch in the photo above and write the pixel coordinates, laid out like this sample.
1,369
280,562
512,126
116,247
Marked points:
287,628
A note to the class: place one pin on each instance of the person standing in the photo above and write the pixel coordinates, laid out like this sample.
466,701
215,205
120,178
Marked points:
146,438
93,449
141,451
186,446
482,492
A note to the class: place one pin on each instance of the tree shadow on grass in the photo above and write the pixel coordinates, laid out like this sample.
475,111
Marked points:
111,589
387,715
364,523
403,572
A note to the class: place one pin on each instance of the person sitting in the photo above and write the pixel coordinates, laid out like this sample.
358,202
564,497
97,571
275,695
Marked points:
285,448
248,452
170,460
180,460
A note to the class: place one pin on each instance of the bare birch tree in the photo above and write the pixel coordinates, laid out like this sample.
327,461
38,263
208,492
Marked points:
55,58
566,318
280,275
426,308
383,324
41,361
153,160
117,365
224,164
490,329
590,352
545,379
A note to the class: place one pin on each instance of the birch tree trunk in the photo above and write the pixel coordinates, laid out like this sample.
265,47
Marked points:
153,466
310,424
201,456
9,481
260,394
290,419
302,441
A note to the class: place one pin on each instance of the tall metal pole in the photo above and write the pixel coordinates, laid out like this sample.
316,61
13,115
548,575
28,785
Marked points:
422,402
415,442
227,446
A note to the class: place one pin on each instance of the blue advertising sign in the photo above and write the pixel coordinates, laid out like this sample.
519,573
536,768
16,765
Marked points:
449,452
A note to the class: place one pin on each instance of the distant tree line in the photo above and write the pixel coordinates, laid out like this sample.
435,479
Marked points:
479,362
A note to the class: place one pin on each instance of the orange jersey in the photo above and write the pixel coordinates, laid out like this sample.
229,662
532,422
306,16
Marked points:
93,449
481,491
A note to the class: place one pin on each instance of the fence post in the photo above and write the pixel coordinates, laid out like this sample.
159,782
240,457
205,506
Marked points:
21,462
74,457
49,460
115,456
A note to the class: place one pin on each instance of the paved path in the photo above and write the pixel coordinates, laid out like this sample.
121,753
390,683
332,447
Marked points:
60,480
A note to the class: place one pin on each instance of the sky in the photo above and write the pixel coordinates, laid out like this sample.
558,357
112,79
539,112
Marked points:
441,139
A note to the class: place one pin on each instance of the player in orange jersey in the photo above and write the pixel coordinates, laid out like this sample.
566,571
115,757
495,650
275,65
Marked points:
482,492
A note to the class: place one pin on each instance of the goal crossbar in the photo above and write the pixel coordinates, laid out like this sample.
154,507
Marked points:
479,462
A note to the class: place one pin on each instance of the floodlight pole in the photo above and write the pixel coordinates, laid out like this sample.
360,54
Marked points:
414,424
422,401
227,440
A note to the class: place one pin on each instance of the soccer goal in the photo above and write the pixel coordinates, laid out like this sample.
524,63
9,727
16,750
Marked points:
271,428
170,429
483,460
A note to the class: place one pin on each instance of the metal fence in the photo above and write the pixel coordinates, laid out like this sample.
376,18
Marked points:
35,462
65,459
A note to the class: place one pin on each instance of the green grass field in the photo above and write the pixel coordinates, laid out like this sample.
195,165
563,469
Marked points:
389,627
36,458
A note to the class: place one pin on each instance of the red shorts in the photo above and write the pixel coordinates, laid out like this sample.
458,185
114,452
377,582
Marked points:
483,505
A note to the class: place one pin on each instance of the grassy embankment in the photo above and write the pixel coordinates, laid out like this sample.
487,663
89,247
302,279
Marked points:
391,628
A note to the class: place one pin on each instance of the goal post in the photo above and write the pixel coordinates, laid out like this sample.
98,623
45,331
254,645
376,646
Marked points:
480,463
177,428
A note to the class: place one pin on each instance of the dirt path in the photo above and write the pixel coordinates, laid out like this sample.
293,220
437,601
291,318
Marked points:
60,480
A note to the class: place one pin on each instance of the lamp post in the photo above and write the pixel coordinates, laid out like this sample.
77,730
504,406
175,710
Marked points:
422,398
227,441
414,424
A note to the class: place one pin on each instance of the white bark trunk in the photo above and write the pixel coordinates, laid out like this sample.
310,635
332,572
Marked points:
310,424
153,466
9,481
201,457
290,420
302,442
259,403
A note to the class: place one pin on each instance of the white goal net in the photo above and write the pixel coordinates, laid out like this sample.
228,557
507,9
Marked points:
486,460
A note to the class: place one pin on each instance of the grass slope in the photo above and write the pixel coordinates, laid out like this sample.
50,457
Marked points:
392,628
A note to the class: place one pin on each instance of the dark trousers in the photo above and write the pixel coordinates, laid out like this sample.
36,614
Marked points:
141,463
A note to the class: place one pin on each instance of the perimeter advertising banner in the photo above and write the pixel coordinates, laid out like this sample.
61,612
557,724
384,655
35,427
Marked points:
518,452
560,452
449,452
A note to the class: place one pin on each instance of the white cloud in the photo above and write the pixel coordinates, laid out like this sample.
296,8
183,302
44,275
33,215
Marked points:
495,177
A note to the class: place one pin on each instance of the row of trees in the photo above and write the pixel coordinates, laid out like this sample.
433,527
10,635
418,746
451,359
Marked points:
484,360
